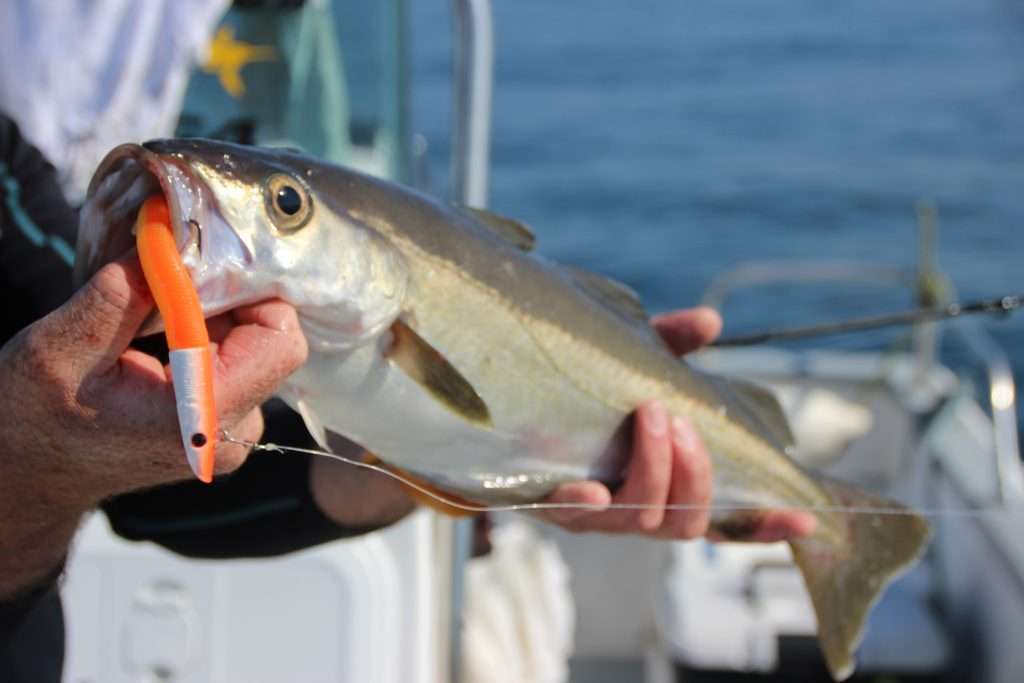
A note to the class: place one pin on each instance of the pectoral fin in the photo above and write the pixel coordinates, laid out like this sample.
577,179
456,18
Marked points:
432,371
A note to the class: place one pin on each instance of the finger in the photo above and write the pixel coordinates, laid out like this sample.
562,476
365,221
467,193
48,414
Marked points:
690,484
257,355
141,387
768,526
99,322
648,478
689,329
230,456
169,464
782,525
219,326
594,495
273,314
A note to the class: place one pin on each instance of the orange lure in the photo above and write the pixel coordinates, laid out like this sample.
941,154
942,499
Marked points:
187,337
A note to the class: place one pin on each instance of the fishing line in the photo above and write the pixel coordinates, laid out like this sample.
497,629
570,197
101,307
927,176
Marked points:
532,507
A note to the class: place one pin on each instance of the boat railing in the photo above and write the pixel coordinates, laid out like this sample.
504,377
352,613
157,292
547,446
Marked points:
474,81
1001,395
473,67
1002,407
757,273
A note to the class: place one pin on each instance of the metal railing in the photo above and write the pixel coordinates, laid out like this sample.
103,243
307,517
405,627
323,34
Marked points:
758,273
470,167
1002,406
471,114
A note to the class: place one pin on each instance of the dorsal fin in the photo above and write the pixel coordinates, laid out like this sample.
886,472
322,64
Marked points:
612,294
508,229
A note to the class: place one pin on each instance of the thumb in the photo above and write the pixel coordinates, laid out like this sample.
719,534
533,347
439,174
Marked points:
98,323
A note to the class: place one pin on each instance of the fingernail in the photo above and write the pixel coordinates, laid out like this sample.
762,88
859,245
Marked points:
655,420
279,320
286,326
683,434
291,320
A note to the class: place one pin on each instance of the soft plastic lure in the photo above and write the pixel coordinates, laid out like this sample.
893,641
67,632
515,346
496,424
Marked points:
187,336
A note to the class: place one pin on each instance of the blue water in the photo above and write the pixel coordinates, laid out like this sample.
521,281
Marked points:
663,142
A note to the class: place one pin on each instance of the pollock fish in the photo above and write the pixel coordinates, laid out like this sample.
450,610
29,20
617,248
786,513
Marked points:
442,344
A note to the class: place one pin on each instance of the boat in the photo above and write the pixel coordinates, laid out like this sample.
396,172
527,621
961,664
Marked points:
391,606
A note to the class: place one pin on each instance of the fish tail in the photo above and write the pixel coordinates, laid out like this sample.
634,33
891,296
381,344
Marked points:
848,566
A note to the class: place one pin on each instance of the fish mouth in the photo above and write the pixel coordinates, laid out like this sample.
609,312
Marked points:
126,177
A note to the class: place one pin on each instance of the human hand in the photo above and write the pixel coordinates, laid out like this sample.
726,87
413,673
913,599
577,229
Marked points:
83,416
668,465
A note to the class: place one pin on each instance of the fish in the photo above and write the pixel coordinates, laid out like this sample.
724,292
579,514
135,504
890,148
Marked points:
442,343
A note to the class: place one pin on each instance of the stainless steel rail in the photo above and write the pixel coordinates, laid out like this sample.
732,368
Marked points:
470,165
471,119
1002,395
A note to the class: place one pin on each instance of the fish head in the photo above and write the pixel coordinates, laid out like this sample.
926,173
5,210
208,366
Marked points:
251,224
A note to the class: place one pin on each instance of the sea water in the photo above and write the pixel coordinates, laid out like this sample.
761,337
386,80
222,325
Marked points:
663,142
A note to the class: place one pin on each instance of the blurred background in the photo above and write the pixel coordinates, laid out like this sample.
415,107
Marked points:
664,142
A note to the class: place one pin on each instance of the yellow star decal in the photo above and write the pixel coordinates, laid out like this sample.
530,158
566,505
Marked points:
228,56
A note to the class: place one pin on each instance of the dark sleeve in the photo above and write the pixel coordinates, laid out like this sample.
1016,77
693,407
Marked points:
32,635
37,229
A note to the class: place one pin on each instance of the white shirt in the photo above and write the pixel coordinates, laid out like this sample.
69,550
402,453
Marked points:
82,77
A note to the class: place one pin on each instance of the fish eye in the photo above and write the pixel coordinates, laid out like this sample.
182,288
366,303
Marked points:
288,202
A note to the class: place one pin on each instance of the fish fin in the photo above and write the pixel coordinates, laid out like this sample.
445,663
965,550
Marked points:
424,498
768,410
508,229
613,294
846,576
314,426
432,371
754,406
